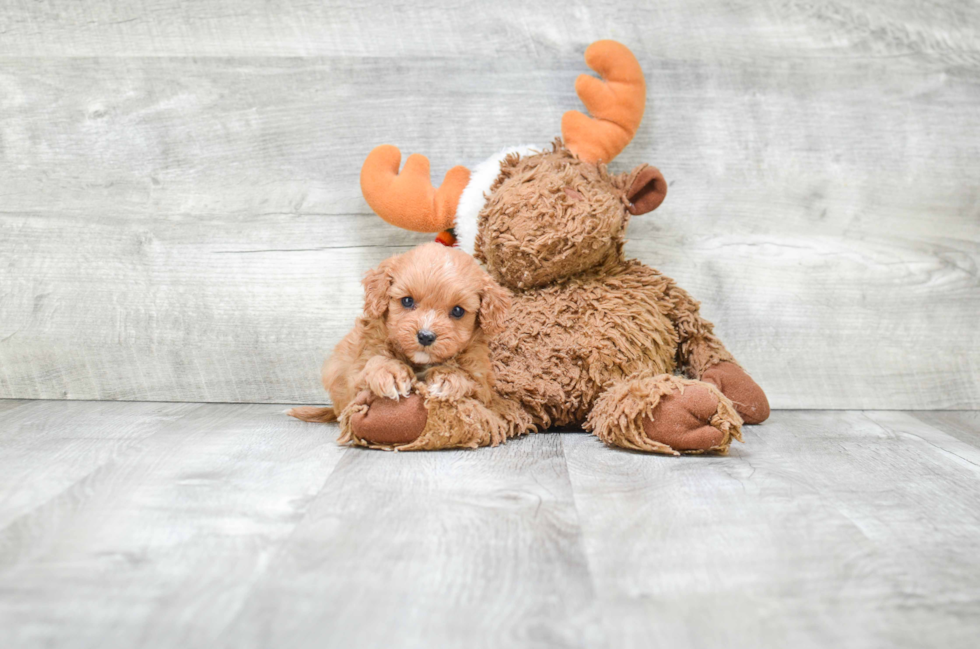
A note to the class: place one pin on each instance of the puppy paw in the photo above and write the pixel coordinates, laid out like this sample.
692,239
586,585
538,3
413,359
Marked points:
387,378
449,387
388,385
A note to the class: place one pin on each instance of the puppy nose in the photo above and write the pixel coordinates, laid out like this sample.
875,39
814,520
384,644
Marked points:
426,337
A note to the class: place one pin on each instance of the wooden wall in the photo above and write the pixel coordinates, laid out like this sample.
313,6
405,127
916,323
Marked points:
180,217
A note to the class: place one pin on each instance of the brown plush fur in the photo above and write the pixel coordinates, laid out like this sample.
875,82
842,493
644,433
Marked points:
382,355
584,316
463,423
549,217
625,413
594,339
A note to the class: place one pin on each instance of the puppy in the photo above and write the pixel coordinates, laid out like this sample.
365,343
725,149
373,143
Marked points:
428,314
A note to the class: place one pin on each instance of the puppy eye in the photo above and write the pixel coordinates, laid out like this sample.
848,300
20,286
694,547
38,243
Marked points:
408,303
457,312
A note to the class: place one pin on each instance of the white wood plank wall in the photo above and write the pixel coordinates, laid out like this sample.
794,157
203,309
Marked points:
180,217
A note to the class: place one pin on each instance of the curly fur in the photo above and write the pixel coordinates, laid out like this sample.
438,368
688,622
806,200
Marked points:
594,339
382,353
550,216
585,318
619,415
463,423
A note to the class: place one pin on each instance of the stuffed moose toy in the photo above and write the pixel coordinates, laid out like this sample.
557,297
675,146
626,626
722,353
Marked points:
593,339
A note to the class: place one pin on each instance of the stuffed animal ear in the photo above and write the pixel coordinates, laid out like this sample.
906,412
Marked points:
494,306
647,190
377,282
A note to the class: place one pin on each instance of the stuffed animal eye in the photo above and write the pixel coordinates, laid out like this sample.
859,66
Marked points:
408,303
457,312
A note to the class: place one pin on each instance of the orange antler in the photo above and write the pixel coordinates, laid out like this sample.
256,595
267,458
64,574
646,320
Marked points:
408,199
616,101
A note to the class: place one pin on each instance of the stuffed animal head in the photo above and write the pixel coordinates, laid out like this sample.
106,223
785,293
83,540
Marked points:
553,215
534,216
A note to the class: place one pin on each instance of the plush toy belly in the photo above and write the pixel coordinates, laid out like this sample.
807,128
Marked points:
564,344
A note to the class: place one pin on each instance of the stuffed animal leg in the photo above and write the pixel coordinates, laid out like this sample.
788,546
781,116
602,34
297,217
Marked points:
701,355
666,414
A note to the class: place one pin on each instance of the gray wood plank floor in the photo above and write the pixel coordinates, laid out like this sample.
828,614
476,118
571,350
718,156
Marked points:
220,525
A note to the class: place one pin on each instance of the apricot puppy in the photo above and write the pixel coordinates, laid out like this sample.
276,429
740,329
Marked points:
428,314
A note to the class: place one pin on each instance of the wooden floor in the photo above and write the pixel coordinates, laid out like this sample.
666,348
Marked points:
175,524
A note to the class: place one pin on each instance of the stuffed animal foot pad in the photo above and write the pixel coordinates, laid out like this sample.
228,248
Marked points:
749,399
424,422
666,414
383,423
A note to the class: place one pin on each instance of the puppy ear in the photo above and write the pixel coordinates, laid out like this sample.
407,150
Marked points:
377,283
494,306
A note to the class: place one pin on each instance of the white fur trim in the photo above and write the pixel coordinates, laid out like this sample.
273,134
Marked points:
473,198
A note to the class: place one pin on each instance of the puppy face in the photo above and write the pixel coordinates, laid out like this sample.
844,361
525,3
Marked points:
434,300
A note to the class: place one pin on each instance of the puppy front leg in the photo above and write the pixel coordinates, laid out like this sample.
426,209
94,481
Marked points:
450,385
386,377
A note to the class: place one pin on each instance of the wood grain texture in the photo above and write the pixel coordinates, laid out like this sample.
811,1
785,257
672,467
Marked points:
150,520
222,525
825,529
180,216
10,404
76,442
228,525
964,425
718,30
443,549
